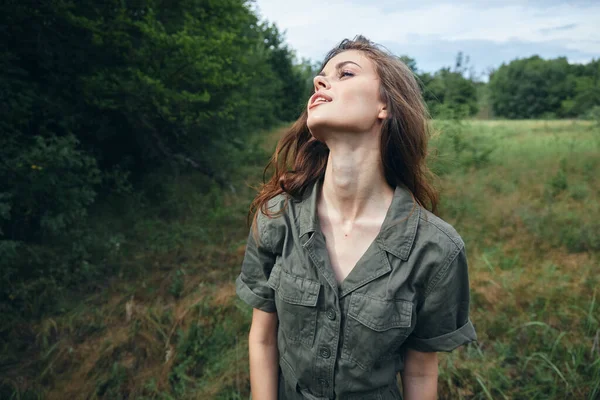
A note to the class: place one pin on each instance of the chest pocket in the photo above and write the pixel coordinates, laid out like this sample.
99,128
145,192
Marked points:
296,301
375,329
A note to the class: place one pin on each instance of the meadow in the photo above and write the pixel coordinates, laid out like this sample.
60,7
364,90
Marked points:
523,194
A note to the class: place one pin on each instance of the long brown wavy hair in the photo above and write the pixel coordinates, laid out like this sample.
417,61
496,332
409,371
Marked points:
300,159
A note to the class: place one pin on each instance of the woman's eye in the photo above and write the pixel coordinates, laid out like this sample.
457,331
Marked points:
346,73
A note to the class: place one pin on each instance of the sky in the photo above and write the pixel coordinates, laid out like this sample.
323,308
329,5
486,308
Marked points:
489,32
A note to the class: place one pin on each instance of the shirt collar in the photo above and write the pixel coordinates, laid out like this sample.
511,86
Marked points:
399,228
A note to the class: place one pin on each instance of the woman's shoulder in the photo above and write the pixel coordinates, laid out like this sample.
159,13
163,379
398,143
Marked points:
275,208
443,230
285,207
438,249
438,238
273,220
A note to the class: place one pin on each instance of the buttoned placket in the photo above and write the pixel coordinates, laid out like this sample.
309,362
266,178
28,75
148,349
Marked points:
327,345
327,341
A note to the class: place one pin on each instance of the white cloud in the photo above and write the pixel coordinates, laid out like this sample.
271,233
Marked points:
313,27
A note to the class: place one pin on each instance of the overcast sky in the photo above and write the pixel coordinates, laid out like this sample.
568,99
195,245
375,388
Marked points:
434,31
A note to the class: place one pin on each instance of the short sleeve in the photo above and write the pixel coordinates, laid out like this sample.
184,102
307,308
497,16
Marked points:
443,322
251,284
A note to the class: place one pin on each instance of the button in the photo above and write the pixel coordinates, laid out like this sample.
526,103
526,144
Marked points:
324,352
323,382
331,314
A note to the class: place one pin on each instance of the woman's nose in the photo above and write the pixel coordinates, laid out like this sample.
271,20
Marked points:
320,82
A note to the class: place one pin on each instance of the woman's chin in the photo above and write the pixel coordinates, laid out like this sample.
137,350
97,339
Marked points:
321,121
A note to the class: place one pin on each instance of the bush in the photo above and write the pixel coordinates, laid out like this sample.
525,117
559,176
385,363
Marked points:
48,187
113,93
455,148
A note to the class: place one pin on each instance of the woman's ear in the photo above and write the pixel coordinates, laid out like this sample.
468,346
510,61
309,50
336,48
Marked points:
383,114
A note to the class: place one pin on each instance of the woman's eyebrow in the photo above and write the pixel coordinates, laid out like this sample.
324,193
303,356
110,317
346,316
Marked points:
340,65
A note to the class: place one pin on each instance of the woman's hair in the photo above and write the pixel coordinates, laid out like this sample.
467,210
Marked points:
299,159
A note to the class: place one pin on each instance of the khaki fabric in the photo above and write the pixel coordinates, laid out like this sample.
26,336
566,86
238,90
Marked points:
346,341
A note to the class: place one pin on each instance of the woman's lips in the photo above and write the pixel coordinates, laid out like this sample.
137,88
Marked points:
319,98
317,103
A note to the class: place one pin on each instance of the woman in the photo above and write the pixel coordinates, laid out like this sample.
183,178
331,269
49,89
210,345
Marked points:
351,276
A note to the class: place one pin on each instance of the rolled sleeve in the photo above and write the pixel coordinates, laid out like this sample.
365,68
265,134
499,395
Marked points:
246,293
251,284
443,322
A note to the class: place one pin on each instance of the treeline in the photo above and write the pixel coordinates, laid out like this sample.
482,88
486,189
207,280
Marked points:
522,89
98,96
538,88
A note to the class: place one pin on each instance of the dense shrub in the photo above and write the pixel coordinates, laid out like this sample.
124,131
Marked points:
96,96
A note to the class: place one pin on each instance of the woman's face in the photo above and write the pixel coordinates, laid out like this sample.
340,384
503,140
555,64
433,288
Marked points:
350,85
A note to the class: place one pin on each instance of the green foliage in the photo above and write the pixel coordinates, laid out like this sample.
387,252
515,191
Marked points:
51,182
593,114
201,353
457,148
448,93
293,84
112,386
534,88
558,183
48,186
177,282
558,227
532,262
100,96
410,62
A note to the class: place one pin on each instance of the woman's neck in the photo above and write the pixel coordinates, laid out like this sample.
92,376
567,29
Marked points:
354,185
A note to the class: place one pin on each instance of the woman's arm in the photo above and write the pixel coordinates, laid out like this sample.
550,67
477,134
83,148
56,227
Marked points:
264,358
419,378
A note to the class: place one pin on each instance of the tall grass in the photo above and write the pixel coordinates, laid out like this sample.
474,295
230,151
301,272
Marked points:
523,194
530,219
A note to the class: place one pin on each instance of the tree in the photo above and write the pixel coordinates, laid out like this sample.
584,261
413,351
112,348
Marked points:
531,87
97,95
587,90
410,63
449,92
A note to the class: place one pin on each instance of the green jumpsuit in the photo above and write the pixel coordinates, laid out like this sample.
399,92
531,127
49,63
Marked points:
347,340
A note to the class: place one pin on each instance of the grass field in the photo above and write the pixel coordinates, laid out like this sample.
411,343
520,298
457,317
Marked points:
523,194
530,217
